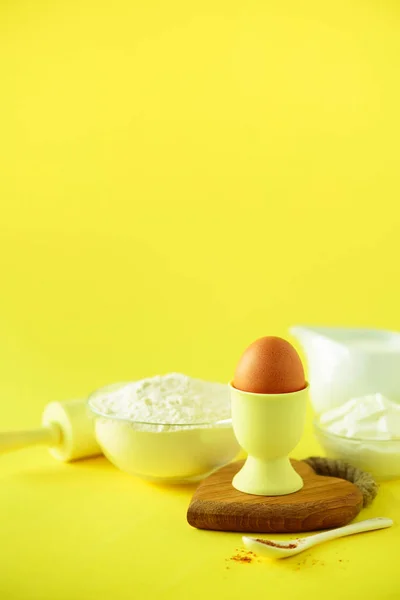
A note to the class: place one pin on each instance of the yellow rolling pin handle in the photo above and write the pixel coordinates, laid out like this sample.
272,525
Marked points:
15,440
67,430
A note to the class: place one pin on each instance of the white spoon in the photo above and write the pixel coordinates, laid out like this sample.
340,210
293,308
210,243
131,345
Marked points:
277,549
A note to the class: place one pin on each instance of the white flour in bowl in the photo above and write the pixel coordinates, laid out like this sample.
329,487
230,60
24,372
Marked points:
166,400
169,428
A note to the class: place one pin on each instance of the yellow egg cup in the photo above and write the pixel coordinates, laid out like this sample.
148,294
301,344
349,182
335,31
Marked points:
268,427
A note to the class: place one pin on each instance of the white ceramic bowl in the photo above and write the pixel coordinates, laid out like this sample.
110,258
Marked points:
163,452
381,458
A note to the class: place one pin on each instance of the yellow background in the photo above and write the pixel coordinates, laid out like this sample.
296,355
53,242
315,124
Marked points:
176,179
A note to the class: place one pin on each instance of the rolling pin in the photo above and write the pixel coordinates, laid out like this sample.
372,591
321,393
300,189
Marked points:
67,430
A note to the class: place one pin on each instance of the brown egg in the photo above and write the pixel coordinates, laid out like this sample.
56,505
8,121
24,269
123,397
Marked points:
270,365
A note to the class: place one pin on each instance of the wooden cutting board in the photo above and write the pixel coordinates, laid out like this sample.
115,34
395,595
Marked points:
324,502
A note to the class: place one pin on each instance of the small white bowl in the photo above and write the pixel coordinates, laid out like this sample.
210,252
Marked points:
163,452
381,458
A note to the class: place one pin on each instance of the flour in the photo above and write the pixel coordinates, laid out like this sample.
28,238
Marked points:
166,400
169,428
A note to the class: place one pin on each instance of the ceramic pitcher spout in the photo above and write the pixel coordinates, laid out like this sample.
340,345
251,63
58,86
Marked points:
308,334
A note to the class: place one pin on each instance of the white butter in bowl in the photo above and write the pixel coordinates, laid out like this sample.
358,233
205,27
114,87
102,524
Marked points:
365,432
170,428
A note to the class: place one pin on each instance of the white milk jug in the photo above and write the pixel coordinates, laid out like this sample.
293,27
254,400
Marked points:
349,363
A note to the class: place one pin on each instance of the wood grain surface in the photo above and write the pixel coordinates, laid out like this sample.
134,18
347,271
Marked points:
324,502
